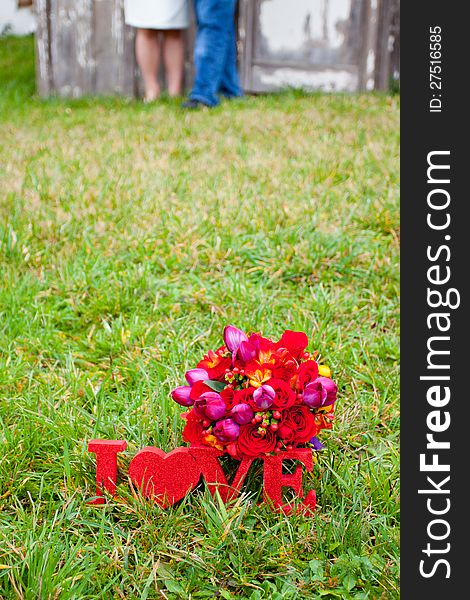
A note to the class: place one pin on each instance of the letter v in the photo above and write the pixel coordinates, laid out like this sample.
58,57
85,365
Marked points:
214,475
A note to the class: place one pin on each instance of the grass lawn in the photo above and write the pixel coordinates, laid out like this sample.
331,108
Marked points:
130,234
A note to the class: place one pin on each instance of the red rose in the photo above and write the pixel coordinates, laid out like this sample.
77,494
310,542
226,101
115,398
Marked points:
252,443
308,372
297,424
295,342
192,432
285,395
228,396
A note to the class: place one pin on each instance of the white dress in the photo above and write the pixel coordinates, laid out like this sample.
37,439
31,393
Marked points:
157,14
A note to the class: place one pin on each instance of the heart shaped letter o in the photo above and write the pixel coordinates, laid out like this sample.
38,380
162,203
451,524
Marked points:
165,477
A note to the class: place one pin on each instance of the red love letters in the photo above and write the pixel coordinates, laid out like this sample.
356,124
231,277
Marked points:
167,478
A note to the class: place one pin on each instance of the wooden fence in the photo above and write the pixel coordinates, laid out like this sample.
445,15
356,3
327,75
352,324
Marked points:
84,46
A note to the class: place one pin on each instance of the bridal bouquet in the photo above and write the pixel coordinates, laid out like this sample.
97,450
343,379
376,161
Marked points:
253,396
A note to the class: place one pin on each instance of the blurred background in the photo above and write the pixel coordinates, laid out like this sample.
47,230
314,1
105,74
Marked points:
16,17
84,47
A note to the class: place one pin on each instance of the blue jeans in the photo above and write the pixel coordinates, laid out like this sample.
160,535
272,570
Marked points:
215,54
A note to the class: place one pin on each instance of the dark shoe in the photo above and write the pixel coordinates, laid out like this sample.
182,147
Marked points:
193,104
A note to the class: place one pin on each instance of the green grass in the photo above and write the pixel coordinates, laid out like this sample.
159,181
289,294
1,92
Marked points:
130,234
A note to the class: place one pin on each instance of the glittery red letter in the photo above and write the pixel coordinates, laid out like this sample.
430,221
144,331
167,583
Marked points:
106,465
214,475
274,480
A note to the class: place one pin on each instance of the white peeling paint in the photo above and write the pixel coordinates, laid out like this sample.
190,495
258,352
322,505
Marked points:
117,27
43,62
327,80
370,65
66,16
42,42
84,36
286,25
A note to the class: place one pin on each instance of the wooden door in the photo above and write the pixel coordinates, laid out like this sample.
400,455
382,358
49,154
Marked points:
327,45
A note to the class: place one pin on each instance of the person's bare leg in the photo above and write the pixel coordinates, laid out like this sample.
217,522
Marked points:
173,57
147,51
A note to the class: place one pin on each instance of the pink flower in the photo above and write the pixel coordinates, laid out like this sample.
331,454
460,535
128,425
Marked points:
246,351
242,413
226,430
194,375
321,392
233,337
181,395
211,405
264,396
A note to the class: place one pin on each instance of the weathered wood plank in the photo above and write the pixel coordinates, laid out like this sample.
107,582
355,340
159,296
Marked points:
44,81
190,38
114,50
382,63
71,26
245,43
394,45
84,45
387,59
367,69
